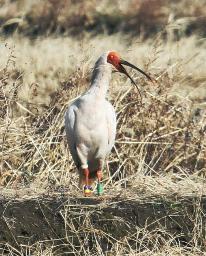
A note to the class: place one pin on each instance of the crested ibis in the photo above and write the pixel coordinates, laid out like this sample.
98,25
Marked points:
90,122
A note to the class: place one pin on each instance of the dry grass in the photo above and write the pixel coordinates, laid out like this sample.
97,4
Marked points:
160,146
161,248
141,18
162,137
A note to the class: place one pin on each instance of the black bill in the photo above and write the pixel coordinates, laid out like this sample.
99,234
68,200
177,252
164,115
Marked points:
124,62
124,71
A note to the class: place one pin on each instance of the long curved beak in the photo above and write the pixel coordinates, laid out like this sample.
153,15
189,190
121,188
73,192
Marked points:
123,70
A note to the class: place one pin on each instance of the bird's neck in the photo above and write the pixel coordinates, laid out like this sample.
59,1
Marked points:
100,80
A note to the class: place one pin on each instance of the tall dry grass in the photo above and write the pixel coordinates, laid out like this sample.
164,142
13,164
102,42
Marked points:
142,18
164,137
160,147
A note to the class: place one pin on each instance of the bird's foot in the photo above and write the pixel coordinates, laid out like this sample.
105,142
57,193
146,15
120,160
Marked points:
87,190
99,189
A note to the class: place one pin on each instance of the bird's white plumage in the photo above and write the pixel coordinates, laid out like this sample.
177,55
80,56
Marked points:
90,121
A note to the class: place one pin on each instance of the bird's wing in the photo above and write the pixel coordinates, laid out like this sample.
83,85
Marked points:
70,120
111,124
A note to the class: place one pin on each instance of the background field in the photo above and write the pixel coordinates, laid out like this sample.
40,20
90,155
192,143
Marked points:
47,51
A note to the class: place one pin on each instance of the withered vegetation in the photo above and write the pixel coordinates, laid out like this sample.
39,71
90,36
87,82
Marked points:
160,148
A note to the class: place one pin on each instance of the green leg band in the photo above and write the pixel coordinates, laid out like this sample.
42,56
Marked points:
99,189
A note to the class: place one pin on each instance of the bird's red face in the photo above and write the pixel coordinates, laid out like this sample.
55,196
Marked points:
114,59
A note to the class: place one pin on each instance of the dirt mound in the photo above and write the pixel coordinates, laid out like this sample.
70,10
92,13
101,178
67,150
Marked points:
78,224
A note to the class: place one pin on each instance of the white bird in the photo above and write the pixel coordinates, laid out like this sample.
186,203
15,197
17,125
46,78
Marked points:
90,122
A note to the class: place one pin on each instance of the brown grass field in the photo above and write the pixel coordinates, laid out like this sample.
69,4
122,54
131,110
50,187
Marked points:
47,51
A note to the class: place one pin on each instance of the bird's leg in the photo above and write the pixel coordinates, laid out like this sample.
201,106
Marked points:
86,173
99,176
87,187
